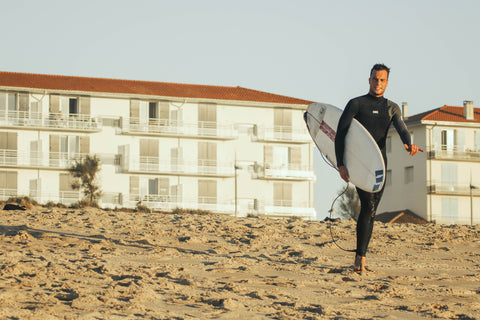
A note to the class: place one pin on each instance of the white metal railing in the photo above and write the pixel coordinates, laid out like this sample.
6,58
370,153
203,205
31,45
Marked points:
50,120
180,128
452,188
454,152
283,171
179,166
281,134
60,160
289,208
168,203
7,193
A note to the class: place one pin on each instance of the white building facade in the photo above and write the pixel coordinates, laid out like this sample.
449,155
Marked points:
442,184
224,149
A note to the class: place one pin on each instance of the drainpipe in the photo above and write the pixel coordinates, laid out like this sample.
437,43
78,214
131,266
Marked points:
430,169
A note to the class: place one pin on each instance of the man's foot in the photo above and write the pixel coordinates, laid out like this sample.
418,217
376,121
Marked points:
359,264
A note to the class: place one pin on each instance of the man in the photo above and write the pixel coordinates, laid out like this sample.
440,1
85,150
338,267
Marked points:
376,114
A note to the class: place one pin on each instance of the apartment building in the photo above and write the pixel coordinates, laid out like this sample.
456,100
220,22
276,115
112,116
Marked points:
442,184
229,150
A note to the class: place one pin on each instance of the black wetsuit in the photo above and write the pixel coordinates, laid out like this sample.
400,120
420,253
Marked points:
376,114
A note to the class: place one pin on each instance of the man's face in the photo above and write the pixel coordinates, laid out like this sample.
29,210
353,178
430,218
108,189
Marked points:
378,82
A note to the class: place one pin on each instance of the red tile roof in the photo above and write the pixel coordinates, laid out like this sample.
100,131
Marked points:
445,113
164,89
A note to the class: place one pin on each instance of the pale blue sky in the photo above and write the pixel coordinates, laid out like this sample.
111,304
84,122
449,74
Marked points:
317,50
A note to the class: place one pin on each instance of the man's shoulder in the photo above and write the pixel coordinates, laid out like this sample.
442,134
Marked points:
392,104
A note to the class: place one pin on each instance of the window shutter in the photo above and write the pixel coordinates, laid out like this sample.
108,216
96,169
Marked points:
268,154
23,102
85,144
207,191
296,157
153,148
3,140
85,105
3,179
134,185
12,180
3,102
54,103
66,182
54,146
12,141
135,109
164,110
163,186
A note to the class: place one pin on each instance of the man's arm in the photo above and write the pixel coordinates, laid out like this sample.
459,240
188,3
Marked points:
403,132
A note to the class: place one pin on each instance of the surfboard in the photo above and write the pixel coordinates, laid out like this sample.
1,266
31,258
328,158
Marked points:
362,158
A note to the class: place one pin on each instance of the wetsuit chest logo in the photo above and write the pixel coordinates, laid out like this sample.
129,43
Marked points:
375,111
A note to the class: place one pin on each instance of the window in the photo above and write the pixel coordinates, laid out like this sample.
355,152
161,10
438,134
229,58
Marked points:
152,110
388,178
449,209
282,194
408,174
207,154
388,144
449,175
8,182
447,139
207,191
477,140
207,115
73,106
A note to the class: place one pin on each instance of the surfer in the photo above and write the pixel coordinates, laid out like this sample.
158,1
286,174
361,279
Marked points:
376,114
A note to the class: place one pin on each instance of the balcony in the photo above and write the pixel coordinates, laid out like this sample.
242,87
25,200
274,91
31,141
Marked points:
169,203
174,128
51,160
50,121
440,188
289,171
65,197
283,134
288,208
460,153
154,165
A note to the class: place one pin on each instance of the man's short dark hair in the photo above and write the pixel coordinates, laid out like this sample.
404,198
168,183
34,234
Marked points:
379,67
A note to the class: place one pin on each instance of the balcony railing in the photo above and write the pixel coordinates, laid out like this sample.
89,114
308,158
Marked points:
464,189
291,171
178,167
174,128
54,160
281,134
65,197
56,121
168,203
287,208
454,153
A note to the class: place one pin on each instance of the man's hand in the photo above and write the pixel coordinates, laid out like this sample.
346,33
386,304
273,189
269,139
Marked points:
344,173
413,149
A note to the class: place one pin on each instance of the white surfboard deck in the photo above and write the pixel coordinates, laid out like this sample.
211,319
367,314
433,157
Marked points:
362,158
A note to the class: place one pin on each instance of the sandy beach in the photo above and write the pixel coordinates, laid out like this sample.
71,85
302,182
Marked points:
94,264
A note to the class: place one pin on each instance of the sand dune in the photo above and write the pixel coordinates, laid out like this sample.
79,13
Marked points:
95,264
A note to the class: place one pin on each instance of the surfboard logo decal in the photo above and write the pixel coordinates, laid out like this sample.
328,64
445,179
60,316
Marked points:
378,179
328,130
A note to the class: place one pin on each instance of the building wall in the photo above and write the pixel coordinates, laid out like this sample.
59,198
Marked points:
257,166
442,176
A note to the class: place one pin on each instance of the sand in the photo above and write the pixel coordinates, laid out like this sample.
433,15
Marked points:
94,264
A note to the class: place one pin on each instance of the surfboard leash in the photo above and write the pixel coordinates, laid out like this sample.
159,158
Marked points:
331,221
341,194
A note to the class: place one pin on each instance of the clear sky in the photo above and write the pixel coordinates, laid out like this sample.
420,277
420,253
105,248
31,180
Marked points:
316,50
